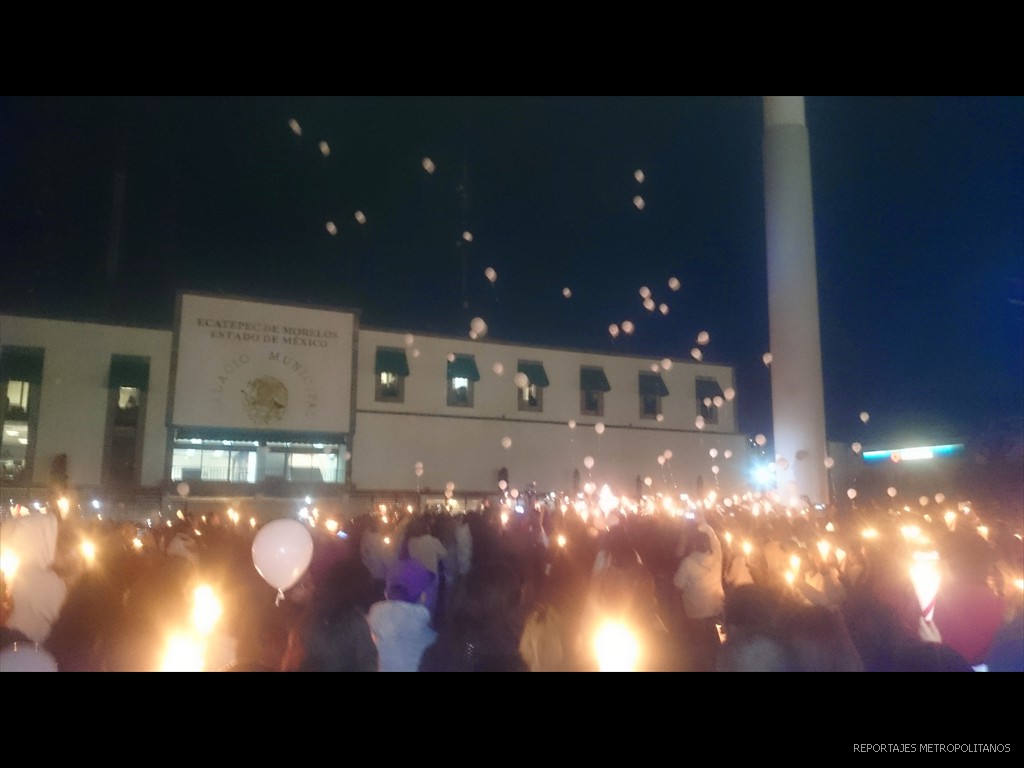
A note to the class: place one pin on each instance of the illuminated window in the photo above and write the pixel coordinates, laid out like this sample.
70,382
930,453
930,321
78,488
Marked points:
128,382
531,396
462,373
390,370
21,377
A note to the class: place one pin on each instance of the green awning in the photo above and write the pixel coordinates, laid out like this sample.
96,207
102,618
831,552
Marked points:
129,371
21,364
391,360
652,384
594,380
463,367
535,373
708,388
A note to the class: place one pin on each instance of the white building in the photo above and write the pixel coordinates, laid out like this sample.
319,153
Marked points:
262,405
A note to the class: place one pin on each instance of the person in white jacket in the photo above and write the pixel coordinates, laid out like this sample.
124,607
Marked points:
699,579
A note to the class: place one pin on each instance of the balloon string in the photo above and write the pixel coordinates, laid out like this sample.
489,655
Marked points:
280,597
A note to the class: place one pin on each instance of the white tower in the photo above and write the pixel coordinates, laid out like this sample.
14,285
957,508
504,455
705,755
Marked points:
798,394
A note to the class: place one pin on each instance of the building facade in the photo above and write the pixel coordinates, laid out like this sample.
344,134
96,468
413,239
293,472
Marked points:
264,406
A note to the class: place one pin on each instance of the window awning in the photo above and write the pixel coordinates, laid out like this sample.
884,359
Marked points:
391,360
129,371
652,384
22,364
535,373
594,380
708,388
463,367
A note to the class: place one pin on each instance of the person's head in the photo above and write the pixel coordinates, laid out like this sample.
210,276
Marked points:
331,639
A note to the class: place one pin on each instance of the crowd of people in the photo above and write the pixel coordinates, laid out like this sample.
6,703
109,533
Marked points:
553,588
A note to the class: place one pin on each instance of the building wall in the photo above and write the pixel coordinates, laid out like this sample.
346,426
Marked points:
74,393
463,445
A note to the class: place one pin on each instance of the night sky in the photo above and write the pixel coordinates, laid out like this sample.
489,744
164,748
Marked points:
919,223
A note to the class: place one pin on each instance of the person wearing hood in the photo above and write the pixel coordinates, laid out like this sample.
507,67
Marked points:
401,624
36,590
699,579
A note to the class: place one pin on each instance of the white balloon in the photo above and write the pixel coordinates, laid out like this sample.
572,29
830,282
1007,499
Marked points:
852,493
514,493
415,353
428,165
360,217
639,203
856,447
717,400
325,149
478,326
782,464
294,125
703,337
627,326
26,657
449,486
613,329
829,462
668,455
666,363
649,305
645,292
729,393
566,292
639,176
673,283
474,335
467,236
699,422
939,498
502,484
891,491
282,551
864,416
572,423
648,481
661,460
760,440
696,354
655,367
183,489
331,228
599,428
663,308
713,452
767,358
506,442
588,462
660,417
521,380
923,501
714,468
498,368
409,340
451,357
490,274
727,454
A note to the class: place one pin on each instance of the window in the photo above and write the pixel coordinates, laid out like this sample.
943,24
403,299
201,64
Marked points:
530,384
652,389
390,371
245,458
462,373
127,383
709,397
593,385
21,378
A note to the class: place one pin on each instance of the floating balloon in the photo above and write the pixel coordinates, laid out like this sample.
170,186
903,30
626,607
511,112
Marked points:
668,455
666,364
415,353
673,283
639,203
655,367
663,308
325,150
490,274
660,417
478,326
727,454
588,462
567,293
649,304
332,229
360,217
281,552
26,657
923,501
294,125
183,489
864,416
409,340
521,380
713,452
729,393
760,440
514,493
473,335
449,486
703,337
707,402
856,447
891,491
696,354
639,176
451,357
599,428
506,442
714,469
645,292
939,498
852,493
572,423
661,460
829,462
717,401
767,358
648,481
419,468
502,484
467,236
627,326
699,422
613,329
499,369
428,165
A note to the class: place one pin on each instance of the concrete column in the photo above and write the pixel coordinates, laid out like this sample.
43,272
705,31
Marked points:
798,396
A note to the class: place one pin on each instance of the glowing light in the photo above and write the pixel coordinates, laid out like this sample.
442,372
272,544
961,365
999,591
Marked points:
1019,583
252,522
181,515
840,556
561,540
63,505
918,453
88,551
823,549
8,565
325,149
504,518
910,532
137,543
95,503
869,533
830,527
924,573
206,609
616,648
794,563
360,217
387,539
331,526
790,577
183,654
747,548
983,530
